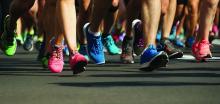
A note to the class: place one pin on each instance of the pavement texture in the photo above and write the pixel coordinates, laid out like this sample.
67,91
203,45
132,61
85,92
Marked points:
183,81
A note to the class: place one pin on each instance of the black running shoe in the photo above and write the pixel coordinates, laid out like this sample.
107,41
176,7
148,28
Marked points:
29,43
127,51
138,37
169,48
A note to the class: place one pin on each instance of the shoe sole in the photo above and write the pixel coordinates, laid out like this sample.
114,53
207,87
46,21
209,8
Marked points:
79,67
127,62
159,61
176,55
204,59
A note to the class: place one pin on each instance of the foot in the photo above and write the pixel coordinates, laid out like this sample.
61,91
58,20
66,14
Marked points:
202,51
127,51
151,59
55,62
95,46
78,63
138,45
110,45
29,43
8,42
172,52
189,42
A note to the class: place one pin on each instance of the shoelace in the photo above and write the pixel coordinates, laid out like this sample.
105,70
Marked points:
109,42
140,43
96,44
57,53
126,51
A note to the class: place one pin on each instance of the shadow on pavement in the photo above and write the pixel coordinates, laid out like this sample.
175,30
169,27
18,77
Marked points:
135,83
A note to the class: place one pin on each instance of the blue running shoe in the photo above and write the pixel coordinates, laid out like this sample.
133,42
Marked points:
189,42
95,46
83,50
158,36
173,33
179,43
110,45
66,50
151,59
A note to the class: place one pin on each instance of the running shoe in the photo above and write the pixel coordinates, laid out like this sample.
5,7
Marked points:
159,35
8,42
38,45
110,45
168,47
152,59
78,63
203,52
95,46
44,60
195,48
127,51
66,50
189,42
178,43
173,33
55,62
41,51
29,43
19,39
83,50
138,45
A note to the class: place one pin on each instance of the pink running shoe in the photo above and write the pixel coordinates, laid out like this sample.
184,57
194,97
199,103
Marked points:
55,62
203,51
78,63
195,48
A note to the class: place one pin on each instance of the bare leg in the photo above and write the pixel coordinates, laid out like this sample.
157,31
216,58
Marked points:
168,19
67,19
208,10
192,18
150,16
84,12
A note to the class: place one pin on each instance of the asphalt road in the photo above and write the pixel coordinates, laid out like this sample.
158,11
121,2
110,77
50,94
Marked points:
183,81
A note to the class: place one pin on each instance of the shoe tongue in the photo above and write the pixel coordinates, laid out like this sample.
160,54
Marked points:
58,47
151,46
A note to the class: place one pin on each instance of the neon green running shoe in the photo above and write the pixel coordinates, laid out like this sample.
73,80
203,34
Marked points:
8,40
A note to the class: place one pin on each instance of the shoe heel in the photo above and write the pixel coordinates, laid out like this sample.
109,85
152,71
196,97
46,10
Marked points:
79,67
